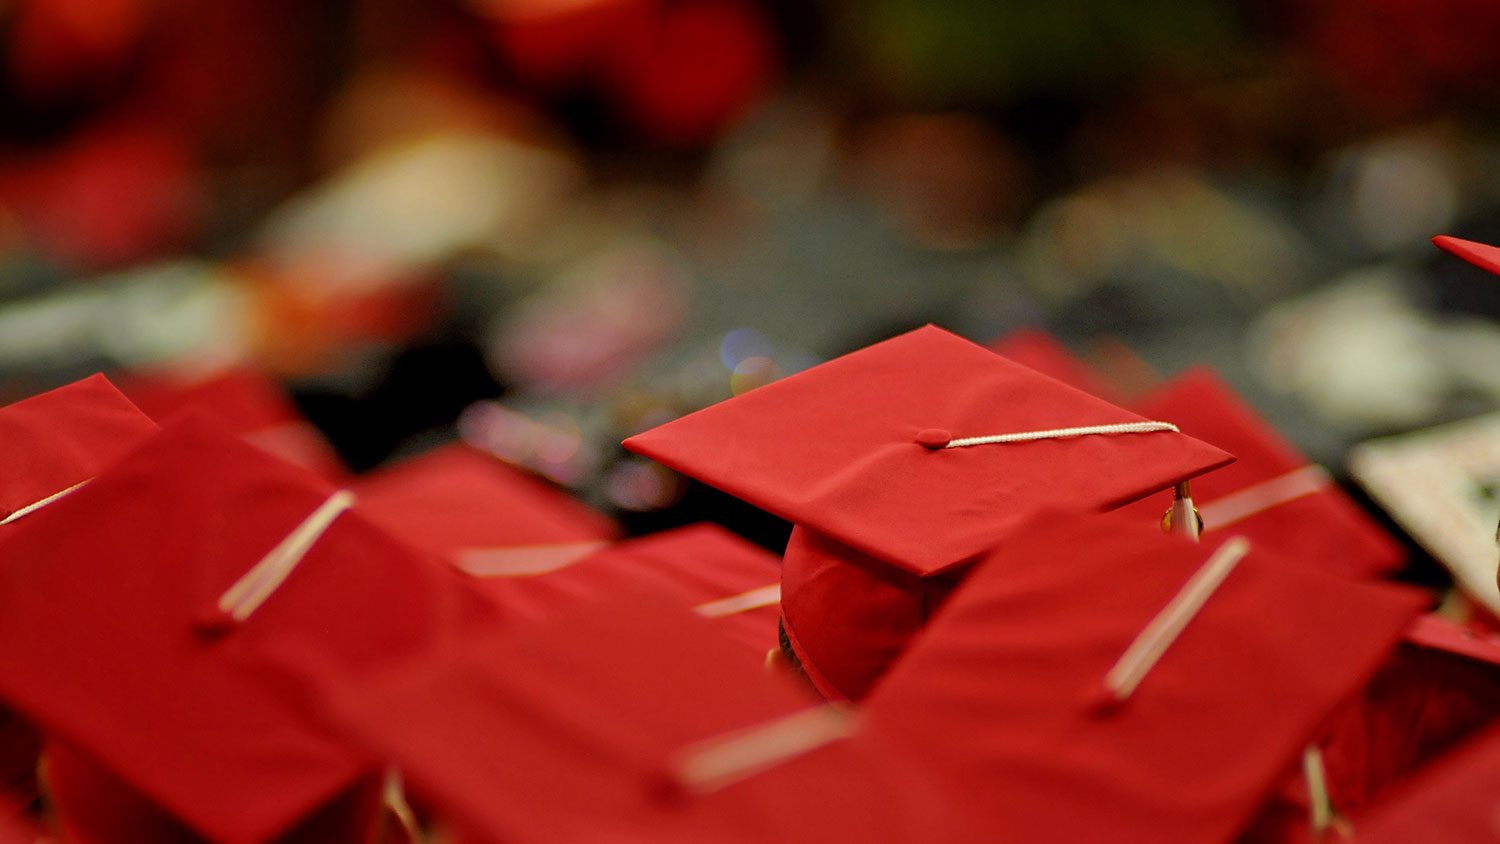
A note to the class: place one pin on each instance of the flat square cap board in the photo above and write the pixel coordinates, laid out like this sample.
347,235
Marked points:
877,449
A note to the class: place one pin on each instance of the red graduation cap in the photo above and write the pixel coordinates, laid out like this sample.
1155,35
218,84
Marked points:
49,444
1042,352
900,463
166,618
1271,494
248,403
1453,801
54,441
704,567
1099,680
480,514
1481,255
631,720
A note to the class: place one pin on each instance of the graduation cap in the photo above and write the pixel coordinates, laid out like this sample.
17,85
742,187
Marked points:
53,442
1103,681
166,618
246,402
721,577
1452,801
50,445
1481,255
899,464
632,720
1271,494
480,514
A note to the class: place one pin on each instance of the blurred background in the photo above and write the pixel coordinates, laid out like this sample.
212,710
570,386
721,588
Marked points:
543,225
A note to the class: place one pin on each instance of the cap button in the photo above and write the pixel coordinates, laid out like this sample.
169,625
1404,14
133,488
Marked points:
213,623
934,438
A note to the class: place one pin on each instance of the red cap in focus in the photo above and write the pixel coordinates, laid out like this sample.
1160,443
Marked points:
902,462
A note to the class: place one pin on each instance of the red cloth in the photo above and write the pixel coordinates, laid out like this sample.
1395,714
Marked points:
999,695
104,646
1324,528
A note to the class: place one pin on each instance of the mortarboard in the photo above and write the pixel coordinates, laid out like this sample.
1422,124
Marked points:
1481,255
1452,801
49,445
720,576
247,403
163,619
1100,680
1270,494
480,514
631,720
900,463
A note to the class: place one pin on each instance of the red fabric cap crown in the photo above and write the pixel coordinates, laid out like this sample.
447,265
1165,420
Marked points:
836,449
848,616
1270,494
733,583
58,439
248,403
1481,255
1000,696
107,593
580,725
478,513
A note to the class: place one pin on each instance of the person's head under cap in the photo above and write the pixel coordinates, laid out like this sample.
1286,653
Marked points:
899,464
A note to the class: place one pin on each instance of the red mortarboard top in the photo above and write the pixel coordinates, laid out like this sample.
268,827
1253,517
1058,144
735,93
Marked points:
54,441
1271,494
157,620
720,576
480,514
247,403
1455,801
852,452
610,722
1481,255
1019,693
1042,352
